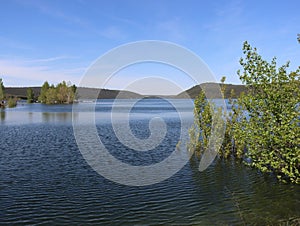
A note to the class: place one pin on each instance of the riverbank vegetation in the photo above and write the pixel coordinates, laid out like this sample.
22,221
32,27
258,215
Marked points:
62,93
10,101
2,90
263,128
30,96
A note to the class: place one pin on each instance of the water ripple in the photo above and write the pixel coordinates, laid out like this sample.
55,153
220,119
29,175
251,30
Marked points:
45,180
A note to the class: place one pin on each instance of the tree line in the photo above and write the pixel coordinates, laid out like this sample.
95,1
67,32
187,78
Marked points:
62,93
263,127
4,101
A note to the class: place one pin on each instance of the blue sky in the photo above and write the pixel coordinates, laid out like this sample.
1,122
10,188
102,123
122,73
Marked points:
58,40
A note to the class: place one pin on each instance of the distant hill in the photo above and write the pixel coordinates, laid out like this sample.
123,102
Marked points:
209,87
88,93
21,92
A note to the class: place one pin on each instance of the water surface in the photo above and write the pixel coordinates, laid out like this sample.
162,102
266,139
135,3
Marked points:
45,180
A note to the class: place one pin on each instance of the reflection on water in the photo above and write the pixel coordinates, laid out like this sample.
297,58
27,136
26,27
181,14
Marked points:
244,195
18,118
41,113
36,113
2,115
57,117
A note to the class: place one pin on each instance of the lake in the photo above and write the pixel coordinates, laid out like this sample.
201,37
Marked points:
44,178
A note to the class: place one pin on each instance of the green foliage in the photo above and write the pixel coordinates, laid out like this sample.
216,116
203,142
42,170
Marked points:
63,93
2,90
43,95
201,130
51,96
208,125
30,95
269,128
264,124
12,102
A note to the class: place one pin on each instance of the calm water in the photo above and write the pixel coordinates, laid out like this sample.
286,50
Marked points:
45,180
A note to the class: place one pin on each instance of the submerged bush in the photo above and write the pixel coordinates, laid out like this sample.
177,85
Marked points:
11,102
271,115
62,93
264,125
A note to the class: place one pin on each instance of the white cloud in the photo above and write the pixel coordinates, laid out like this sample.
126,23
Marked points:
50,59
21,73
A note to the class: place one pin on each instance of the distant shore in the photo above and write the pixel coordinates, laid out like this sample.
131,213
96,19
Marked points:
20,92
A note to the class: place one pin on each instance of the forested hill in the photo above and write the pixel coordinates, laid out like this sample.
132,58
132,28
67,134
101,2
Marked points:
210,87
21,92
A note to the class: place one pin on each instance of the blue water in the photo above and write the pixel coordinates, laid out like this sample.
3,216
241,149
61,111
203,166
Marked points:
44,178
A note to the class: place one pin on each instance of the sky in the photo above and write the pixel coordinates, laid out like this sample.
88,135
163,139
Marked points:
58,40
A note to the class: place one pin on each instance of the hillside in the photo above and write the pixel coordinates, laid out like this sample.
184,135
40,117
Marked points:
195,90
21,92
88,93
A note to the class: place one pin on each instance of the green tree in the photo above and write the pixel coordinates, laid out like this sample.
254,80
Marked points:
62,92
201,130
269,125
71,93
65,93
73,88
264,124
2,91
43,95
30,95
51,95
206,133
12,102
